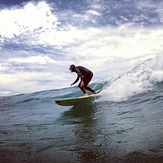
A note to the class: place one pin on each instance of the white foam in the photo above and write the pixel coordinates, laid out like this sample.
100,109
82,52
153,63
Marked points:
139,80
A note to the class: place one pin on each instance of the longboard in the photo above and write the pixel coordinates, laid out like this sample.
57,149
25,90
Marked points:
74,100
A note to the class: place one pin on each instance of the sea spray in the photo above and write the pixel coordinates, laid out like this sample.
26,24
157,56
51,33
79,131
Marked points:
141,79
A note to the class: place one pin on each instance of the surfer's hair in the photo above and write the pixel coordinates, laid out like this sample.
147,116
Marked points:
72,67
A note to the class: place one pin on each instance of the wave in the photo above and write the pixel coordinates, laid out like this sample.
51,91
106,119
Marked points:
141,79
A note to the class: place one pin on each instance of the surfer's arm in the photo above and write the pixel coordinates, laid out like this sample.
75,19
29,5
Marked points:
76,80
79,76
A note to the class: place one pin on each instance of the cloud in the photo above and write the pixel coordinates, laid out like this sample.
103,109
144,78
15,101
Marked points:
27,82
152,9
33,59
30,19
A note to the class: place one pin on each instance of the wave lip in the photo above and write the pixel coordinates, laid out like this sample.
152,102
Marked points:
141,79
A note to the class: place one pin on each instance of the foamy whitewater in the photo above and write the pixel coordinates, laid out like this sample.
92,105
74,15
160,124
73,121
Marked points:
141,79
121,42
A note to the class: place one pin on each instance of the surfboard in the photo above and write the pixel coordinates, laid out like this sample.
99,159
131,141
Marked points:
71,101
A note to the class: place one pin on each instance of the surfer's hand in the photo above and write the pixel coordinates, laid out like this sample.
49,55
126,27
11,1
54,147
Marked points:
82,84
72,84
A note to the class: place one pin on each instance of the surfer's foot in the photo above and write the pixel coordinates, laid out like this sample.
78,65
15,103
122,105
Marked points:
94,92
86,94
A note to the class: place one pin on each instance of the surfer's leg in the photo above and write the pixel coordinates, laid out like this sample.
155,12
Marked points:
89,89
87,79
82,89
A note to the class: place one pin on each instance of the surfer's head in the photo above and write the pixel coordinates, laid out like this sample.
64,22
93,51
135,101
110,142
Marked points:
72,68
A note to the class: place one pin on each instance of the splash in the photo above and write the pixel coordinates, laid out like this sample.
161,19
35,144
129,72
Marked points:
141,79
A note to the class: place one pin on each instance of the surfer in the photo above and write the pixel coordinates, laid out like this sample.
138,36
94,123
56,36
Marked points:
85,76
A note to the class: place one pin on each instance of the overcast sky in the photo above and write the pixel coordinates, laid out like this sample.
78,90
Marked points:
40,39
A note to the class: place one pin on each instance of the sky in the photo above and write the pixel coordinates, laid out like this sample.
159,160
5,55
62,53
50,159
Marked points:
39,40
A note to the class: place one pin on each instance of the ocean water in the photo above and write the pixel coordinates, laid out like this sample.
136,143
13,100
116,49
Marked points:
120,41
127,129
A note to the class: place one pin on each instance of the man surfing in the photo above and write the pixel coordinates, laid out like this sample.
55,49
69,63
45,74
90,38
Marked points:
85,76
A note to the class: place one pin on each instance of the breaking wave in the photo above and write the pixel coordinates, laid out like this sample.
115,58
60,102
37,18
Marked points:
141,79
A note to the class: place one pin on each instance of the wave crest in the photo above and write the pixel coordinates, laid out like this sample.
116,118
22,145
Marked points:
141,79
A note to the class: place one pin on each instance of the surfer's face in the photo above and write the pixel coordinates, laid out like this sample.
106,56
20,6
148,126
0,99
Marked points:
70,69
